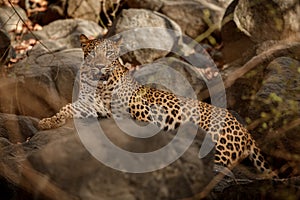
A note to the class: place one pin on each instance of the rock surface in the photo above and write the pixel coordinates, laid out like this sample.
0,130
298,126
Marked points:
246,24
267,190
42,88
62,9
54,154
171,73
278,103
280,18
194,17
5,47
17,129
9,21
139,29
43,82
64,34
262,69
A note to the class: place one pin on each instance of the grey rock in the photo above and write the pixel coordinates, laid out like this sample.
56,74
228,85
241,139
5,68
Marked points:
236,43
59,154
282,78
5,47
279,89
43,82
279,93
65,33
174,75
275,189
280,18
154,5
194,17
142,29
88,10
246,24
62,9
277,106
9,20
16,128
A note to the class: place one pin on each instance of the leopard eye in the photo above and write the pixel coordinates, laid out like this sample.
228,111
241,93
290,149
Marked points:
104,70
92,53
109,53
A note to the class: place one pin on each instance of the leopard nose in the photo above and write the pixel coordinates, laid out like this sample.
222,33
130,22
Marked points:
99,65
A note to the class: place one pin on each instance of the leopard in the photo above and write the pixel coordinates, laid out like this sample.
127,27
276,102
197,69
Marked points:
89,103
110,90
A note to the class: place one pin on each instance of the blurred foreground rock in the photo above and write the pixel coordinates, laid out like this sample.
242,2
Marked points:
59,159
54,164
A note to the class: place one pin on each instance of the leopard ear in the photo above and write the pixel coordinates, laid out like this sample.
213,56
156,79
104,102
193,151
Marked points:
83,40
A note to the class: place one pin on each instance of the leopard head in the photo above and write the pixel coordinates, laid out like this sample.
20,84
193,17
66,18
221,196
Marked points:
99,55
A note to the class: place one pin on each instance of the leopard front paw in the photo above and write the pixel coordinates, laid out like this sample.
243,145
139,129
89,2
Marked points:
49,123
45,124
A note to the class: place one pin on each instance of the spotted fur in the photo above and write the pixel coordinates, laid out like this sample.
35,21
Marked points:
119,95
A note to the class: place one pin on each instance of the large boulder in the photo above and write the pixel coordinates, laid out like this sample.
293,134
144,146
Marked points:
147,35
277,106
9,20
57,159
62,9
247,23
5,47
154,5
267,97
54,164
43,82
267,20
17,128
64,34
175,75
268,189
43,88
194,17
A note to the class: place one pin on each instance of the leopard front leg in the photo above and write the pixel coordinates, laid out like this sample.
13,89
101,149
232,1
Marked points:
59,118
77,109
51,122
